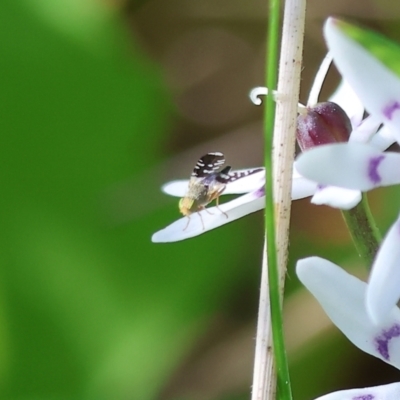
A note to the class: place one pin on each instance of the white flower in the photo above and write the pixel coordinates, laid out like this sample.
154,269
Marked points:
366,313
317,175
363,130
251,201
213,217
252,186
360,164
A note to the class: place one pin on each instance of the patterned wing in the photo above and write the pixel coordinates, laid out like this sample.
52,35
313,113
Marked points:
208,164
225,176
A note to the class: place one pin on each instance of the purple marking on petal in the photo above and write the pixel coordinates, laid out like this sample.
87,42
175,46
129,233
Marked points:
364,397
373,169
259,193
382,341
320,186
390,108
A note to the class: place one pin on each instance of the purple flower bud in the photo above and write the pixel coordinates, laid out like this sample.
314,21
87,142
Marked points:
322,124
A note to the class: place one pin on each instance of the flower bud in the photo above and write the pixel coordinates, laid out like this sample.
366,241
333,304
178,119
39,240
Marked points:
322,124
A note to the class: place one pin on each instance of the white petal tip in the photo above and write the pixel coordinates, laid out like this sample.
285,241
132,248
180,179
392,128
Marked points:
331,22
179,230
343,199
176,188
155,238
307,266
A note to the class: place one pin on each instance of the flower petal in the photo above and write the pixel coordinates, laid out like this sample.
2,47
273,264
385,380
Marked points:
247,184
349,101
375,82
384,392
214,217
302,187
384,283
211,218
176,188
365,130
350,165
383,138
336,197
342,296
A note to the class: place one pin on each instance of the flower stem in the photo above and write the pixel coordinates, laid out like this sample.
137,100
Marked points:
264,377
279,154
283,151
363,230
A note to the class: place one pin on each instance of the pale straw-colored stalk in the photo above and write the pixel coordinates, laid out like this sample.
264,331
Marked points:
264,381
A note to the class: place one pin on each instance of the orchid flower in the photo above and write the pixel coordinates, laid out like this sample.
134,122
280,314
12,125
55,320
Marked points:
326,127
252,200
324,122
370,64
366,313
252,186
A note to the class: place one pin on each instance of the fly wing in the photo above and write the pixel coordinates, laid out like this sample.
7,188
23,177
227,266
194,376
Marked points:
208,164
226,176
223,176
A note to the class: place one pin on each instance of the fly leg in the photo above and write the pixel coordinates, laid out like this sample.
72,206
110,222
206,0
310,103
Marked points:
201,219
217,204
188,217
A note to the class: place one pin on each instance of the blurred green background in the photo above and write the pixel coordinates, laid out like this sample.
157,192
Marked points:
100,103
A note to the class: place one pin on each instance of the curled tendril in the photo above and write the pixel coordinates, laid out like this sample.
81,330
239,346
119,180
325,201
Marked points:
314,93
257,92
263,91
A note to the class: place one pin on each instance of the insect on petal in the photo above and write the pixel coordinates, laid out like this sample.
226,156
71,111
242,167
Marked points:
211,219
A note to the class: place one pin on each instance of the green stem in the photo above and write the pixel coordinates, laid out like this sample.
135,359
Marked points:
283,380
363,230
269,120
